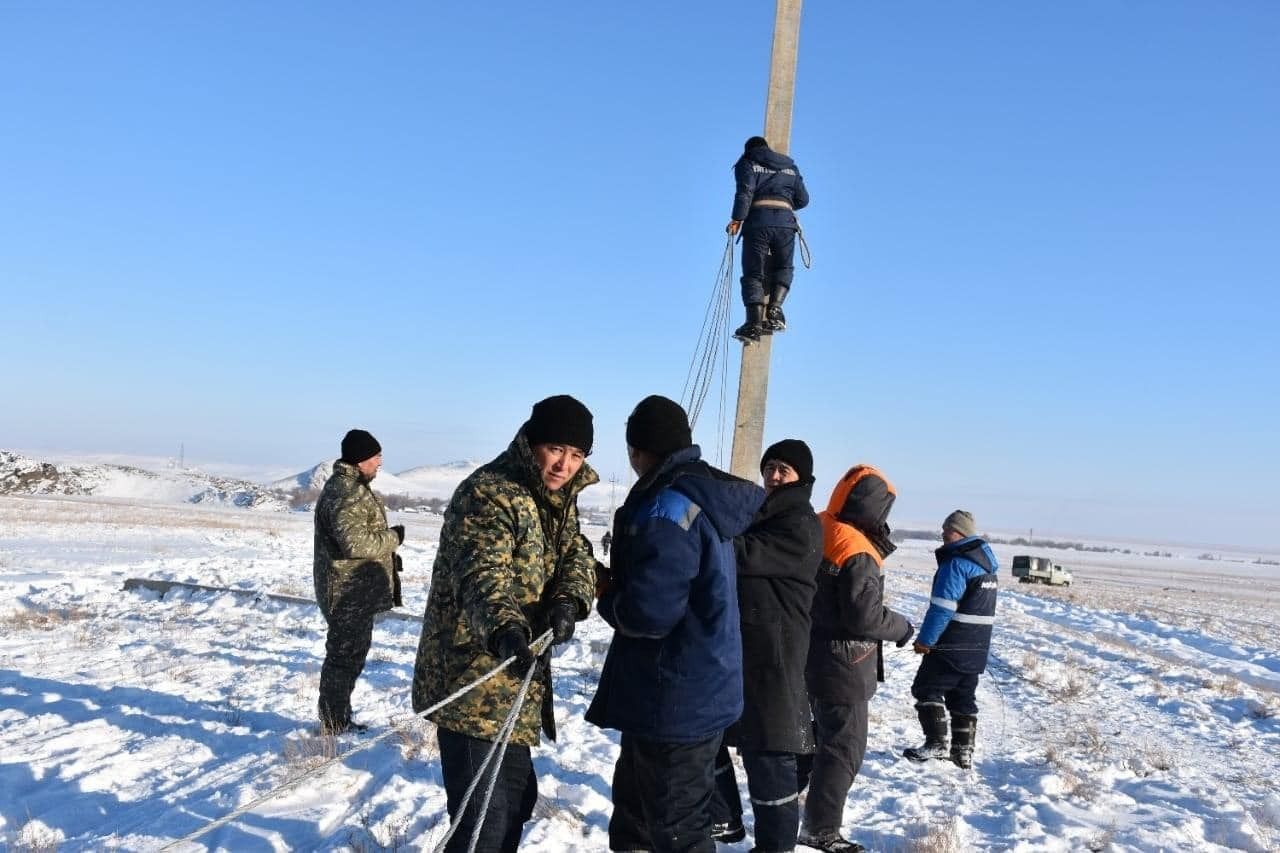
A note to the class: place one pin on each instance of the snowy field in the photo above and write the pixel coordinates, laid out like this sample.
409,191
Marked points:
1137,710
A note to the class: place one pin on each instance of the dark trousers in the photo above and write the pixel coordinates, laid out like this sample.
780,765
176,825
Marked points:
768,252
938,683
514,795
842,743
726,804
774,782
345,650
662,796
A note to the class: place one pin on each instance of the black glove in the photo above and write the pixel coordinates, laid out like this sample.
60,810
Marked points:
563,618
906,638
399,529
511,641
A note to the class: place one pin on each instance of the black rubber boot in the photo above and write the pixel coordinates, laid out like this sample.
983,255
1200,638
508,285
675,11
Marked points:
933,719
754,327
964,731
775,320
829,842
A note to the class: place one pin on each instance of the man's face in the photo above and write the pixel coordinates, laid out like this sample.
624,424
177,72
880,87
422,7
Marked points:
949,536
778,473
369,467
558,463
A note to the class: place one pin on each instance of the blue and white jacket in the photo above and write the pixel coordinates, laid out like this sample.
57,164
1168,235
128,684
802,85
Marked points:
674,669
962,608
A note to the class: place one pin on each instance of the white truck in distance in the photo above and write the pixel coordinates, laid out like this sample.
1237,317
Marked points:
1040,570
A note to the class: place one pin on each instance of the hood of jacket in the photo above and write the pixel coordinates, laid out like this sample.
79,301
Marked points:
769,158
863,498
972,548
729,502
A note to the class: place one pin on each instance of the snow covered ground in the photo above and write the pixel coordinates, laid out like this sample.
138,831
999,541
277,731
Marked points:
1138,709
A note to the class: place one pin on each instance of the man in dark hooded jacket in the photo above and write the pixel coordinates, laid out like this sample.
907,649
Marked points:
769,192
778,561
672,679
845,661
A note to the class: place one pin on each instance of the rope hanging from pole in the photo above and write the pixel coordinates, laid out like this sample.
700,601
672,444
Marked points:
713,341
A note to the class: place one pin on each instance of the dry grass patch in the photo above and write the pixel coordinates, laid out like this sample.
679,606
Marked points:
1103,840
1224,685
414,735
938,837
391,836
34,837
1153,758
308,752
1030,661
43,620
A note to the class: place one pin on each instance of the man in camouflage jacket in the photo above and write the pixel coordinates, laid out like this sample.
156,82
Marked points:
354,570
512,563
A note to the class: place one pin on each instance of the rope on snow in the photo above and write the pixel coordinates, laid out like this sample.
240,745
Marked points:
538,646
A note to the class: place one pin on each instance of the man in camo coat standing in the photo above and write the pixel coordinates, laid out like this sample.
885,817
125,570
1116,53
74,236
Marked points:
512,563
355,571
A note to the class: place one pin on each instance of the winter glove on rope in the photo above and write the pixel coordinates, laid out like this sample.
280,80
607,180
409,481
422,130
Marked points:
563,618
512,641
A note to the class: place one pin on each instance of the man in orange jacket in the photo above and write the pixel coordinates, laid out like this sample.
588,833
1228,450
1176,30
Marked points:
850,621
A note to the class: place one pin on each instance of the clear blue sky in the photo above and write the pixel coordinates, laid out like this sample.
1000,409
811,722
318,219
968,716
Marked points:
1045,237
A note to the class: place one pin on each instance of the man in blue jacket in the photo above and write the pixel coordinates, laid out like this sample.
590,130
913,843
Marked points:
955,639
672,680
769,192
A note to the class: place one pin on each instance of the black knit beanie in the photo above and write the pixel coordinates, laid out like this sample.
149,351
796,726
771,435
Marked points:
755,142
795,453
358,445
560,420
659,426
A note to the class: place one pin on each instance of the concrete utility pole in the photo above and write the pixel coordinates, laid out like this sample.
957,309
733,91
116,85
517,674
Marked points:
753,377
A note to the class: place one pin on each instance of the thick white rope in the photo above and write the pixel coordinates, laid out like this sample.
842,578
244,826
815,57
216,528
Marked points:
499,749
293,783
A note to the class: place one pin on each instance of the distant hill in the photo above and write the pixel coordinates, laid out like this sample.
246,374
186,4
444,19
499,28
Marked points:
424,486
23,475
437,481
313,479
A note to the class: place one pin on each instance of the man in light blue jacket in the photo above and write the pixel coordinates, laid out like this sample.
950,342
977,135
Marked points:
955,639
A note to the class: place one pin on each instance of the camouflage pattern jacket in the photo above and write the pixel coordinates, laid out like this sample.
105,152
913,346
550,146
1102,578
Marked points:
354,550
508,548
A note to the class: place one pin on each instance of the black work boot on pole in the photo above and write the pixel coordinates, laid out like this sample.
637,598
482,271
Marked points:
754,327
775,320
964,731
933,719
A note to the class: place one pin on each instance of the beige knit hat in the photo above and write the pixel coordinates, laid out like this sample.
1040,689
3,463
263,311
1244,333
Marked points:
961,522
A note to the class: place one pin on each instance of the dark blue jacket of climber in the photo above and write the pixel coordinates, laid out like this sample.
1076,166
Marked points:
770,190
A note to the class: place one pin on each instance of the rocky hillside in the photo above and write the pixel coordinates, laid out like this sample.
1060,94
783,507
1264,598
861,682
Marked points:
23,475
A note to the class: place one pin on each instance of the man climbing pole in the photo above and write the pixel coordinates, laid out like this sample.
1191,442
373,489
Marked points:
769,192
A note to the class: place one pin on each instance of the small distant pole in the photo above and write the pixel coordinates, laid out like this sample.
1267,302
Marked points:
182,456
613,495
